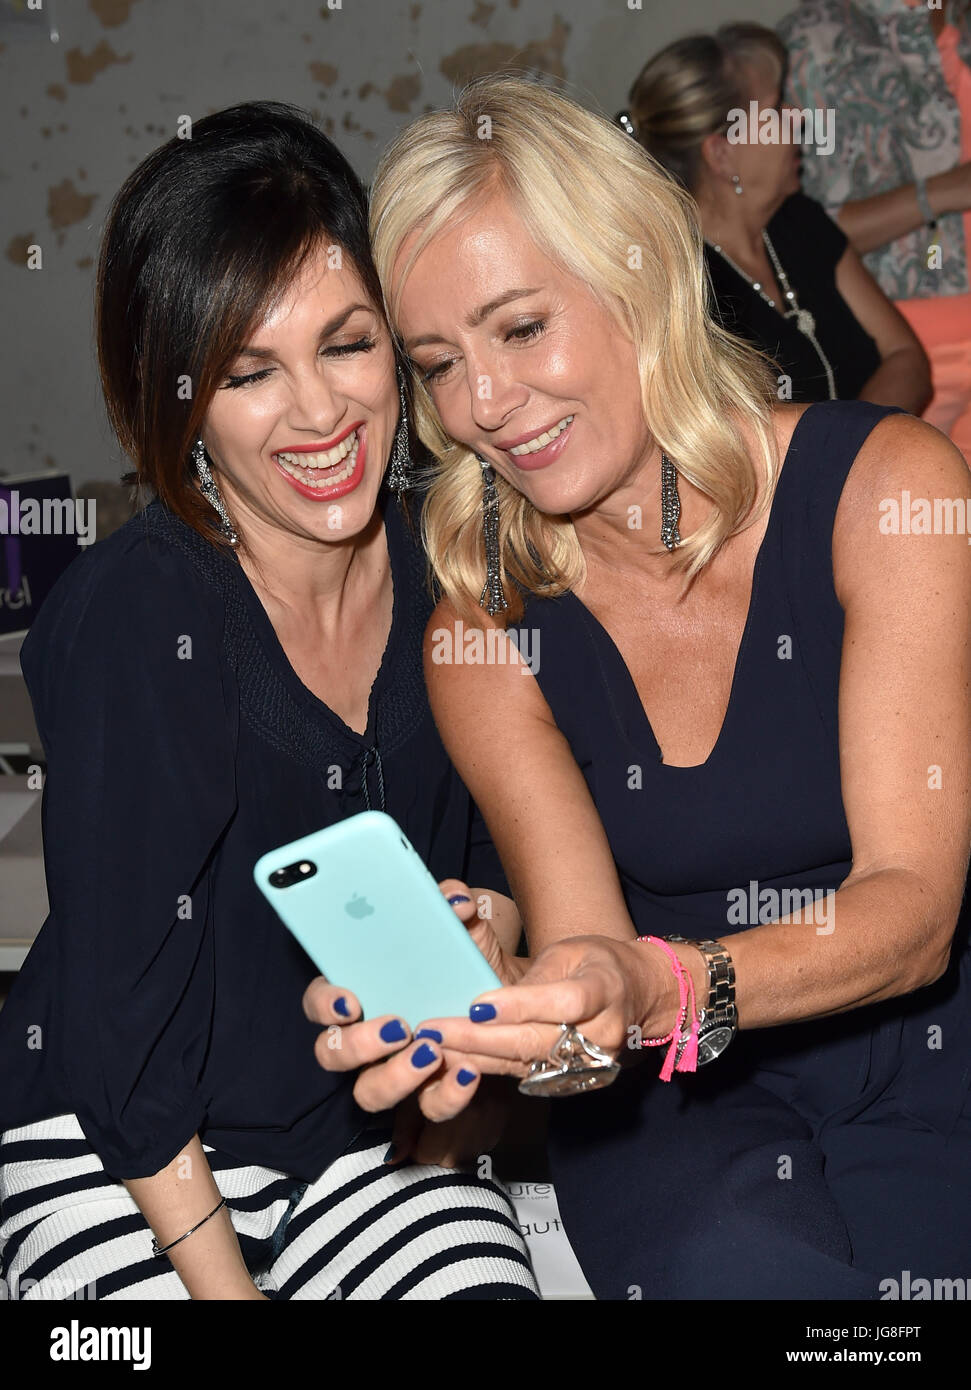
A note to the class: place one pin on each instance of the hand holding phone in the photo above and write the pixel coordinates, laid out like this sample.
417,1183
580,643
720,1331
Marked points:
364,907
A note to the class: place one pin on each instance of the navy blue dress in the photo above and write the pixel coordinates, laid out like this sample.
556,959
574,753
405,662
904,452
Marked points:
163,995
814,1160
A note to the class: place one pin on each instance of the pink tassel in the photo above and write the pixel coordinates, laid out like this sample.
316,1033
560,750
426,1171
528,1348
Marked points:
689,1058
668,1068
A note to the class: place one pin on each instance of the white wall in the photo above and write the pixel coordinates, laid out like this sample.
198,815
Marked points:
78,114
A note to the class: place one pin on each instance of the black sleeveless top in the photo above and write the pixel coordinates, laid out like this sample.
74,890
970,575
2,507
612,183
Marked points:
809,245
712,849
163,995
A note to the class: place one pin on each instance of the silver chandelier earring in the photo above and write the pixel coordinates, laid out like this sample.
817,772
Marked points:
398,480
738,183
210,492
492,598
670,504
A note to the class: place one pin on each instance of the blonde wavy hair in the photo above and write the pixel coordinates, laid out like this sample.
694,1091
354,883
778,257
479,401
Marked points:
640,254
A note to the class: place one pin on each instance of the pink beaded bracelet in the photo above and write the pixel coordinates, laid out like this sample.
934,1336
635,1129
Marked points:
682,1054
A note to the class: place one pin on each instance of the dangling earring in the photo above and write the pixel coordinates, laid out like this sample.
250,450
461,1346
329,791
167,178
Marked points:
398,480
738,183
670,504
211,493
492,589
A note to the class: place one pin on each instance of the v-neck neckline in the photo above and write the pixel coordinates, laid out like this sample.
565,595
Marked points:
624,669
301,692
785,315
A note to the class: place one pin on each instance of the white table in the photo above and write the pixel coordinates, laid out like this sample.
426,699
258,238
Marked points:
23,890
17,726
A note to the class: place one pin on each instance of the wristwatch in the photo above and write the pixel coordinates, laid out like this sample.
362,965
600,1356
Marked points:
718,1020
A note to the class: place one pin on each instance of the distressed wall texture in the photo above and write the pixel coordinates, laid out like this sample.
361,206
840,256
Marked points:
80,111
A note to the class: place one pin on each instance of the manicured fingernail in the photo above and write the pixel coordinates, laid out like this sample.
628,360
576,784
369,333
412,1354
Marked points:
393,1031
389,1154
432,1033
459,898
481,1013
340,1007
424,1056
465,1078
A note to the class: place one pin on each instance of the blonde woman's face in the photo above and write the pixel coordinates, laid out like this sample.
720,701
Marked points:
522,363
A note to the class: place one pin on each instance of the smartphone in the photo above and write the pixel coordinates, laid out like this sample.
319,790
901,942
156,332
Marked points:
364,907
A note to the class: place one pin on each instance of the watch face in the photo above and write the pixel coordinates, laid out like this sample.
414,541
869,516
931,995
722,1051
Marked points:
713,1044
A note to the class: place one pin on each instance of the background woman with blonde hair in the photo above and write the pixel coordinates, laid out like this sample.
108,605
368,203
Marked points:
722,726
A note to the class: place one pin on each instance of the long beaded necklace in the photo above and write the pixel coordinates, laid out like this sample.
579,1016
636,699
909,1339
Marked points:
804,319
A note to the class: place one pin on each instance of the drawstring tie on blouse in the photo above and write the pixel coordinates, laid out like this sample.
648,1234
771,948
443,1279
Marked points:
372,755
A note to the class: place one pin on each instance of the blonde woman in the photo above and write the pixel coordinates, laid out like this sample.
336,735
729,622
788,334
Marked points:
744,727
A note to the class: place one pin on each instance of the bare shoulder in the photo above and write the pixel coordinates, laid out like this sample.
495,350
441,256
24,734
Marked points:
475,671
455,639
908,480
902,452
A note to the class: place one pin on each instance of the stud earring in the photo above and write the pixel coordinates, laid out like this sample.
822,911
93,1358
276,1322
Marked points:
738,183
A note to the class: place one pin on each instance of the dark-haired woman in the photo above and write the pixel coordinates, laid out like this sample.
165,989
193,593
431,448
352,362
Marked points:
238,666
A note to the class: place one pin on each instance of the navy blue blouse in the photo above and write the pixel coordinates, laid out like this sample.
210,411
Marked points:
181,746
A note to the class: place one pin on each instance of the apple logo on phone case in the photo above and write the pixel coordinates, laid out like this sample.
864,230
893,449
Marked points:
358,907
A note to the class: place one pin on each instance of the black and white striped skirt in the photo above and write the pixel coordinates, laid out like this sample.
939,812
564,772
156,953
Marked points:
360,1231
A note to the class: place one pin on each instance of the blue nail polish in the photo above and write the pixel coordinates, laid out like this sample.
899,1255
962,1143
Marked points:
465,1078
389,1154
481,1013
424,1056
340,1007
432,1033
393,1031
459,898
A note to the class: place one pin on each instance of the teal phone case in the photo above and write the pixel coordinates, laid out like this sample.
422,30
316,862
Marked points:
374,920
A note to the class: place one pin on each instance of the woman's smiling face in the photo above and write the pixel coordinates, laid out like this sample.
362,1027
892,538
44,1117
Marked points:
513,349
301,430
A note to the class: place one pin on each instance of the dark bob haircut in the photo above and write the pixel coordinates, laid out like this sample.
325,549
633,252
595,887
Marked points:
202,238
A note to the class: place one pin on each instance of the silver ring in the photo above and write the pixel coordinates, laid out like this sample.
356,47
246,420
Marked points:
575,1064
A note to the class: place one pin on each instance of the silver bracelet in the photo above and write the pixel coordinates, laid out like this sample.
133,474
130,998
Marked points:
923,202
161,1249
